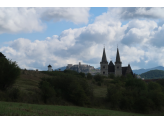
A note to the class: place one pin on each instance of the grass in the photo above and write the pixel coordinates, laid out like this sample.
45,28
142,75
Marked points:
23,109
29,80
99,91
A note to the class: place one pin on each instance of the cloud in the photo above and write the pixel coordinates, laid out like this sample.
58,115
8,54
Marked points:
126,13
16,20
138,32
137,45
74,14
13,20
157,38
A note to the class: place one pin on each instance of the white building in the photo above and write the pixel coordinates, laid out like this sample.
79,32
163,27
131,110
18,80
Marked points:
50,68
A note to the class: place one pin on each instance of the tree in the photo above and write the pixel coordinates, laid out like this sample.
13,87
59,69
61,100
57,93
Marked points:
98,78
47,91
89,76
111,76
9,72
82,74
1,55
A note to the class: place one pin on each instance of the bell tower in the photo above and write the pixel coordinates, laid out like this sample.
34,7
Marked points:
104,64
118,65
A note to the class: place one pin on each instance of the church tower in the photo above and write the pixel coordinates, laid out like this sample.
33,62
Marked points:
104,64
118,65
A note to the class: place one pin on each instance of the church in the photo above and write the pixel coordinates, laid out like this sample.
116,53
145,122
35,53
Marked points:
117,69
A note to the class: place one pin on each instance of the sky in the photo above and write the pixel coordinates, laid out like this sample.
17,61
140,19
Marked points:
35,37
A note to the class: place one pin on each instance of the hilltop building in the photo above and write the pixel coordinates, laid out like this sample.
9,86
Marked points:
80,67
50,68
117,69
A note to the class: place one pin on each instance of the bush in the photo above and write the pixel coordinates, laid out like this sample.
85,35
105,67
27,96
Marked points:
99,83
114,95
47,91
161,82
14,94
71,88
111,76
82,74
89,76
9,72
154,86
3,96
98,77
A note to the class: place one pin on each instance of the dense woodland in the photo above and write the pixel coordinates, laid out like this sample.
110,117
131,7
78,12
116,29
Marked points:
72,88
153,74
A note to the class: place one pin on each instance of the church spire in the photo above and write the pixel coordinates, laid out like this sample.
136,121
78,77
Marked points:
118,57
104,59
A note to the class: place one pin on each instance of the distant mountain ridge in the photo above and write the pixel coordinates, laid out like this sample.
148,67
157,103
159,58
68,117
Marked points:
153,74
140,71
61,68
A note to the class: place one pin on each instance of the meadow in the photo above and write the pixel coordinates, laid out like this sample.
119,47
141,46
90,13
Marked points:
24,109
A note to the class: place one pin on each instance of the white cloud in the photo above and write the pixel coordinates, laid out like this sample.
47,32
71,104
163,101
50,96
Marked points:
137,12
16,20
13,20
137,44
74,14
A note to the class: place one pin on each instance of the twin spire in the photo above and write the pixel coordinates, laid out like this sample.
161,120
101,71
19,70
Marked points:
118,57
104,59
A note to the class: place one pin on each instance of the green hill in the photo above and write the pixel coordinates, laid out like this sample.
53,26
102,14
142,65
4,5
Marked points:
153,74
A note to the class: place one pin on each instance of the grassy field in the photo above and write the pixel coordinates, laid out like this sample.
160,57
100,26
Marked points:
23,109
29,80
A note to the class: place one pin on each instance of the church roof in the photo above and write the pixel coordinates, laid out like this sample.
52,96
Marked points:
111,63
104,59
49,66
118,57
124,70
111,69
129,67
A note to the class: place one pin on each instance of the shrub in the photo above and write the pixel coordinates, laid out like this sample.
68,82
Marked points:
98,77
141,104
71,88
82,74
3,96
157,98
111,76
114,95
14,94
161,82
9,72
154,86
89,76
99,83
47,91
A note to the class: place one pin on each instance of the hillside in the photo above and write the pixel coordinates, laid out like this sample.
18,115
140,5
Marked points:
153,74
70,88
